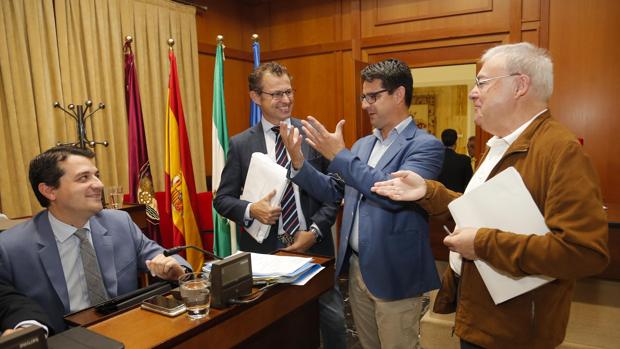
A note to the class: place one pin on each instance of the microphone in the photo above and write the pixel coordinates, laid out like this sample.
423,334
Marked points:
175,250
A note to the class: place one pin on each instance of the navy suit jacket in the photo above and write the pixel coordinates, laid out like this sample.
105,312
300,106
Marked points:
396,260
228,204
29,259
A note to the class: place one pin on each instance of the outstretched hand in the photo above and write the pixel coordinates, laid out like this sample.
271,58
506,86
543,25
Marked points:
292,142
326,143
405,186
263,211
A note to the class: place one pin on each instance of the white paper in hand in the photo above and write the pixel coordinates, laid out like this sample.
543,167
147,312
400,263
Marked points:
503,202
264,175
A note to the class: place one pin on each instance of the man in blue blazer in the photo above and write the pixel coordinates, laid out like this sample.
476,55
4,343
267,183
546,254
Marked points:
42,257
383,243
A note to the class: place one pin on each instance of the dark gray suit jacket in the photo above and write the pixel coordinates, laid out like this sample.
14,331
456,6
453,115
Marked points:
228,204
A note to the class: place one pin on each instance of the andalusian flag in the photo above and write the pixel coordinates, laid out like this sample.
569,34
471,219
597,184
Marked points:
181,202
224,243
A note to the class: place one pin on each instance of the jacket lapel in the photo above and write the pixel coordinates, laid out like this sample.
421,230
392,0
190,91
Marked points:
50,258
257,141
403,138
102,242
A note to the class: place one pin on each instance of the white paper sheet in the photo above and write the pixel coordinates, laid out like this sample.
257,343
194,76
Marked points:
264,175
504,203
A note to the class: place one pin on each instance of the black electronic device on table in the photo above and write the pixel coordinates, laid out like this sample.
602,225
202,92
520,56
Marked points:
231,278
32,337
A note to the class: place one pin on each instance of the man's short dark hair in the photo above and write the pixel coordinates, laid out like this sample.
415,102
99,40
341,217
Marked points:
255,79
392,73
44,168
448,137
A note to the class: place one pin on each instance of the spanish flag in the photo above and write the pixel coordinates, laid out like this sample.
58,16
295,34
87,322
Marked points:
181,202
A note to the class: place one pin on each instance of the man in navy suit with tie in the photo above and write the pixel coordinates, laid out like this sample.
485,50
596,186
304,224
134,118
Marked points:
384,244
299,222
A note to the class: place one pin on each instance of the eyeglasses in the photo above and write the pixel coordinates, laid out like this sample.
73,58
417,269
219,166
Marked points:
482,82
278,95
371,97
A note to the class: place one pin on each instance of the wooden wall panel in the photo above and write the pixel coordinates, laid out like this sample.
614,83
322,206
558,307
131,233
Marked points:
315,80
300,23
437,17
583,41
222,18
398,11
531,10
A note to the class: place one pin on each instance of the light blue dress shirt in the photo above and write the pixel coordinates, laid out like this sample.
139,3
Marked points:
69,251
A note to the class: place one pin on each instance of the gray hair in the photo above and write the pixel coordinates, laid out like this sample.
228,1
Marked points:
530,60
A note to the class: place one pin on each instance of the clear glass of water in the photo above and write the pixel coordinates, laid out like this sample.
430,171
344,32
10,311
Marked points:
196,294
115,195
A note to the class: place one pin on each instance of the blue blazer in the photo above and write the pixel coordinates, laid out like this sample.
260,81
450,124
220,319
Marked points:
396,260
29,259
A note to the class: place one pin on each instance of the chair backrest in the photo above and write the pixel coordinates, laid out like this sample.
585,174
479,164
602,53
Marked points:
205,219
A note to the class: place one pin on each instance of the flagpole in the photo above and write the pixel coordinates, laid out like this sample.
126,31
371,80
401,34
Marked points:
255,112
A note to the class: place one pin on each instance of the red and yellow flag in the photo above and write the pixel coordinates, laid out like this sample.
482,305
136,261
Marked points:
181,202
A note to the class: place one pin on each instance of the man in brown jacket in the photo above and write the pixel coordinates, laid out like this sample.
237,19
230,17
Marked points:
510,100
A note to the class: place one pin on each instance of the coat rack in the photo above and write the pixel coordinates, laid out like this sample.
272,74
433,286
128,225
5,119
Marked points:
78,113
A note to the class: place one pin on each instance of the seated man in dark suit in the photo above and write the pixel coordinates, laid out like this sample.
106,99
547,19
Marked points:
456,171
74,254
17,311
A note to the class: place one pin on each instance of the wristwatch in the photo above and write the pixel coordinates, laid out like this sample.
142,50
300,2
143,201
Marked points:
318,237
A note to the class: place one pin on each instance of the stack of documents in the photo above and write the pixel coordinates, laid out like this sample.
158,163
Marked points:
264,175
503,202
281,269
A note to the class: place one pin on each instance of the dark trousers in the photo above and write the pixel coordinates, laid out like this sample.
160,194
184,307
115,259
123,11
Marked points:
466,345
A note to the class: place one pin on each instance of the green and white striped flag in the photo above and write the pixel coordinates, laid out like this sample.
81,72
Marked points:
224,242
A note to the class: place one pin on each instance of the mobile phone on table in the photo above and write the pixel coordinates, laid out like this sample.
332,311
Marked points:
164,305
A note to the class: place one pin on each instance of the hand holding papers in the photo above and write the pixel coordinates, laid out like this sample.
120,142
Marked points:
503,202
264,175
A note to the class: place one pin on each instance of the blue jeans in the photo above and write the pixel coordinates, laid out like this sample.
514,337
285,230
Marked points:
331,318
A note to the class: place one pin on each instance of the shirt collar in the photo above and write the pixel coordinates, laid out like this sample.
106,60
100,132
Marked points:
395,131
508,140
63,231
267,125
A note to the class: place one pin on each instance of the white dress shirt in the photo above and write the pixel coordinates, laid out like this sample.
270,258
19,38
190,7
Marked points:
497,149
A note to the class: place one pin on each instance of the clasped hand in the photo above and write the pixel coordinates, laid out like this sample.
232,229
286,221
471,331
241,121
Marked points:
166,268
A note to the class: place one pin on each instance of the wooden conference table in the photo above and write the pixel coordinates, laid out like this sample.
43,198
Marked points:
284,317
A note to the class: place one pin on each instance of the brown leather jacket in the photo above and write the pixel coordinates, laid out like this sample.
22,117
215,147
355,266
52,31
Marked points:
565,187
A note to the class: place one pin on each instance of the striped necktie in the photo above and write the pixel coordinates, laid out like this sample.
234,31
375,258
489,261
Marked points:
290,220
94,282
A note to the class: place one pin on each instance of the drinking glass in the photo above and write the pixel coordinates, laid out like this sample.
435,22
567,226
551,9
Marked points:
196,294
115,195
